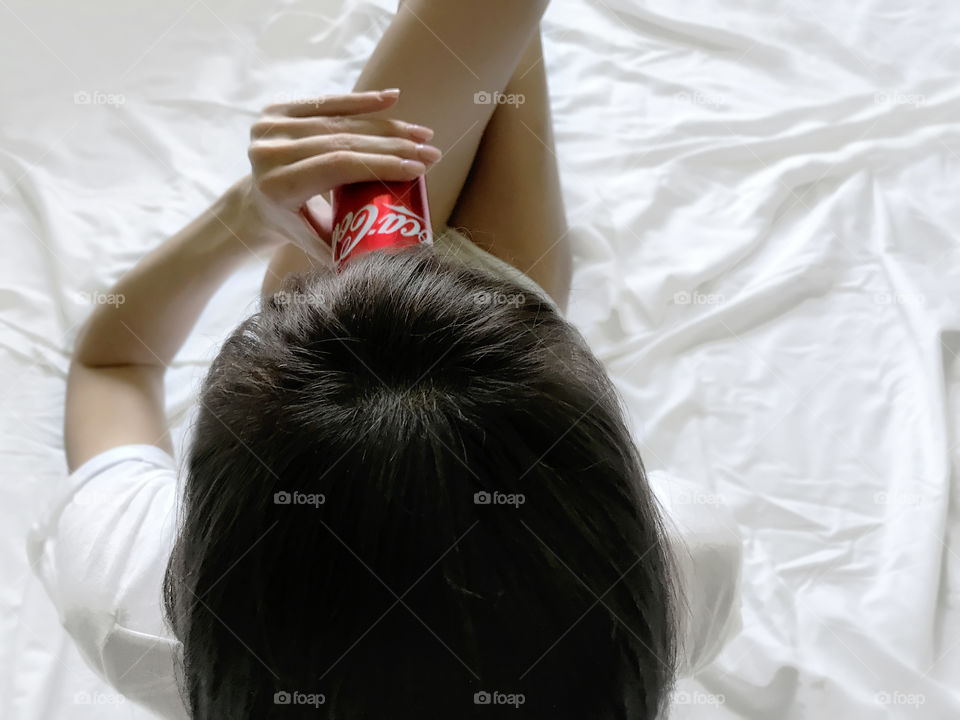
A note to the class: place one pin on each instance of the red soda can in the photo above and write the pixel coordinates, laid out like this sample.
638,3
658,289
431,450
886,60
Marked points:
373,215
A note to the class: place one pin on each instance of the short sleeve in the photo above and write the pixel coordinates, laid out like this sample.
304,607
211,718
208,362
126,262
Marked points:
708,549
101,550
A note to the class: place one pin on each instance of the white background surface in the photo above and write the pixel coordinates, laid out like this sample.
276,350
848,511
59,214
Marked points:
764,201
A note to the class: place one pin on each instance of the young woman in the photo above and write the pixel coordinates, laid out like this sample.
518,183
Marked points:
410,494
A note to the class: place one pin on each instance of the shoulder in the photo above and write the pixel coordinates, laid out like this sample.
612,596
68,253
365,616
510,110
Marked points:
708,549
100,551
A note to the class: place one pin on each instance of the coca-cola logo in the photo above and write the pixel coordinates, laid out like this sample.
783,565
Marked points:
369,222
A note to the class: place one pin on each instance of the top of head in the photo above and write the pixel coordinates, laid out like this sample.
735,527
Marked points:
411,482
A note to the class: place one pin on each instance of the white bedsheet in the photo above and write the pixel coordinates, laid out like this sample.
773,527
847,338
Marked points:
764,207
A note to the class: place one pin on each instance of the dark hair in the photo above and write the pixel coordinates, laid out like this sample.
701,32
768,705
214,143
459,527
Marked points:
336,543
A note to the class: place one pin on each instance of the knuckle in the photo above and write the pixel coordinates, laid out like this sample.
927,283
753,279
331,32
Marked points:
407,148
261,152
253,153
394,127
272,186
322,126
260,128
340,141
266,154
267,126
338,159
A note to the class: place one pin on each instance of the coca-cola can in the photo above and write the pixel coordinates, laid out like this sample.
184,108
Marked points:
375,215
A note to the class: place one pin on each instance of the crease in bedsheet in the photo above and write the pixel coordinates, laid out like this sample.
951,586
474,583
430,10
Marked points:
707,149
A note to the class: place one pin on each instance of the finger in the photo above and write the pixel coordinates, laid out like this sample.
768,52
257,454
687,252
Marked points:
292,185
265,154
319,216
345,104
287,127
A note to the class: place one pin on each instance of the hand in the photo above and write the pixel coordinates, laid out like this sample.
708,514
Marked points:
300,151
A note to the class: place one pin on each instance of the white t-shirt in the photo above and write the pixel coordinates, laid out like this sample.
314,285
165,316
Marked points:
101,552
102,549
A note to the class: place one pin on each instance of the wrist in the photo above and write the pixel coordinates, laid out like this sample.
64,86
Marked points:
267,225
240,215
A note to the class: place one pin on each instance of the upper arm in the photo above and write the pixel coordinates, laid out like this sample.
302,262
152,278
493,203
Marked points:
110,406
442,54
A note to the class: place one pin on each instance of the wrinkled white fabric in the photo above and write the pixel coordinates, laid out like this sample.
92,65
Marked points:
101,553
763,208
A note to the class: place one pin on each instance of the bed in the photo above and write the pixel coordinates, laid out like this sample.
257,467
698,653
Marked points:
763,206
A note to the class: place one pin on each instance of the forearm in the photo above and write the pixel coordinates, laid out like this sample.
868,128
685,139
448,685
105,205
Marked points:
115,385
115,393
162,296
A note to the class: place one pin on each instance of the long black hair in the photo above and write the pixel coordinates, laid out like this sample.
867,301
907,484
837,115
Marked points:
412,493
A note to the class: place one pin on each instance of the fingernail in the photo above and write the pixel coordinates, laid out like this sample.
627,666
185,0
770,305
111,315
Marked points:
420,132
428,153
413,167
390,93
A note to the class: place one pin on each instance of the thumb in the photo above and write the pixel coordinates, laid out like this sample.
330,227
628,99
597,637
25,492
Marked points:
319,216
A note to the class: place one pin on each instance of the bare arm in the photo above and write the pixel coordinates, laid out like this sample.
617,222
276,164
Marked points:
115,384
498,177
